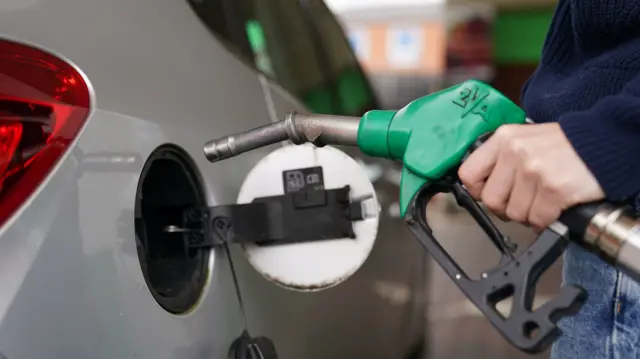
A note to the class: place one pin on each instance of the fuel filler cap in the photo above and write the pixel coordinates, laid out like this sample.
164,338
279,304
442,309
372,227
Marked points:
310,266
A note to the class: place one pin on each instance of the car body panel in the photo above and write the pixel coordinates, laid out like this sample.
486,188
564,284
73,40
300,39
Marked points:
71,281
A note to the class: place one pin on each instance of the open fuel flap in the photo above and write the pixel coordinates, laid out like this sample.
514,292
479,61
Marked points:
306,218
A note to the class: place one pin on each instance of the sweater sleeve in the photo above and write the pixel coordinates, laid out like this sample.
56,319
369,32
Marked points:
607,138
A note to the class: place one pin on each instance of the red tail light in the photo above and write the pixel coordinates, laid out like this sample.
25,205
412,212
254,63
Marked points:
44,102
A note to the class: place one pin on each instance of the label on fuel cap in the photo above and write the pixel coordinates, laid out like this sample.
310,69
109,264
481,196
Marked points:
317,265
303,179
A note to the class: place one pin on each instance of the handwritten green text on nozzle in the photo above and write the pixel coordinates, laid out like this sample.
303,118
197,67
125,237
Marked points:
429,135
432,134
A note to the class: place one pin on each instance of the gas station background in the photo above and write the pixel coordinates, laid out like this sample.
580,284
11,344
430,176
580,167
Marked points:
404,47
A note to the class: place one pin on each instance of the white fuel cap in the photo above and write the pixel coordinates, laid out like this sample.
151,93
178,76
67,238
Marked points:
317,265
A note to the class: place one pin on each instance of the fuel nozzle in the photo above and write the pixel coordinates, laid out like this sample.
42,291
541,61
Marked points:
321,130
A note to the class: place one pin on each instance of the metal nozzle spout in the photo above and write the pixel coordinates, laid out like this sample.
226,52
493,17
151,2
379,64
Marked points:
614,234
320,130
229,146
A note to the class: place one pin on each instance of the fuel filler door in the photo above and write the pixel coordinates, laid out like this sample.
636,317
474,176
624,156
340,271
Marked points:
306,218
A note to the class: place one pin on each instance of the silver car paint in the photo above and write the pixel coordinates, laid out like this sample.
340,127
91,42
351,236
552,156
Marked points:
71,284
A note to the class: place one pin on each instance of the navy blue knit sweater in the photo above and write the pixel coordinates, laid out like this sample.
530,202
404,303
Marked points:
589,81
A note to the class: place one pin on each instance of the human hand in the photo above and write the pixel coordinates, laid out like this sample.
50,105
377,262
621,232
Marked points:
529,174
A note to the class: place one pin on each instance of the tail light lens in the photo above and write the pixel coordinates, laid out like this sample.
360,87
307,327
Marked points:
44,102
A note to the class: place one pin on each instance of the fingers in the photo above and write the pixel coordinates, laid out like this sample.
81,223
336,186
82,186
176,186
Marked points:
544,208
474,171
522,196
529,174
495,194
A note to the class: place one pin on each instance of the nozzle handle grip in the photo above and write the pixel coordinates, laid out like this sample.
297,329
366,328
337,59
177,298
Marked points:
577,219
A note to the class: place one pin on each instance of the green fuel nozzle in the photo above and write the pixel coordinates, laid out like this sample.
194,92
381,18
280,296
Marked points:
429,135
432,134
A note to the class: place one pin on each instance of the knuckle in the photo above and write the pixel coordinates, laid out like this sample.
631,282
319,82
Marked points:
551,187
504,132
532,168
518,149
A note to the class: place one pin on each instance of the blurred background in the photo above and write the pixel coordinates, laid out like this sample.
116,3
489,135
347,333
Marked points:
412,47
408,49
